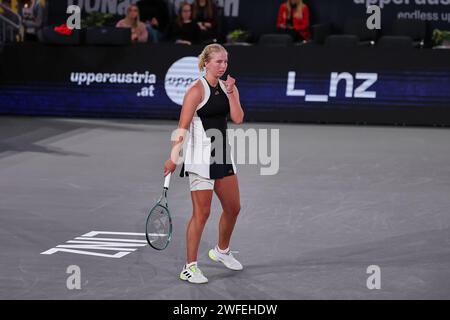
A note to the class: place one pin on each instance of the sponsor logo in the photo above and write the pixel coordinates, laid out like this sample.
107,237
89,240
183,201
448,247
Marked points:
106,244
355,86
180,76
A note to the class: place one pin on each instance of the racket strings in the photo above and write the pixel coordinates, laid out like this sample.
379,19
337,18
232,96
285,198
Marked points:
158,227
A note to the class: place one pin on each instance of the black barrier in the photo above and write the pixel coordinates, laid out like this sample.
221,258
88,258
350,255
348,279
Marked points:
301,84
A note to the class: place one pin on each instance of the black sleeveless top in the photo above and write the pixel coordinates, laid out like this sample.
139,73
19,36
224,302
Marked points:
213,115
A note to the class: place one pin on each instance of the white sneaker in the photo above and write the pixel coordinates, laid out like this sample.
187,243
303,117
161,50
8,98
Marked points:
226,258
193,274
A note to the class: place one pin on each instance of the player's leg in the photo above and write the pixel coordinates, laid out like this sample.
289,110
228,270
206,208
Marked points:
227,190
201,195
201,202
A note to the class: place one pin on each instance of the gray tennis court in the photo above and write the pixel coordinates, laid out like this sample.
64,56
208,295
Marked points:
345,198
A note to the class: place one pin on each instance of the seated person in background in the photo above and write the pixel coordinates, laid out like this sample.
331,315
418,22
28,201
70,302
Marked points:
205,13
155,15
138,31
293,19
184,29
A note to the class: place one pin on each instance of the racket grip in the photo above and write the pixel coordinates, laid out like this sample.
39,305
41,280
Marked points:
167,181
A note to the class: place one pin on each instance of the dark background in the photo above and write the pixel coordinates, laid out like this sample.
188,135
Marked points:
260,16
413,86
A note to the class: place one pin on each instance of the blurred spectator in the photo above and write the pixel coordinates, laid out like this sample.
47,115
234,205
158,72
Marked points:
34,19
293,19
138,30
174,5
184,29
205,13
155,15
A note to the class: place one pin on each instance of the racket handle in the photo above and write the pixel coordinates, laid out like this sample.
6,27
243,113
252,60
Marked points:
167,181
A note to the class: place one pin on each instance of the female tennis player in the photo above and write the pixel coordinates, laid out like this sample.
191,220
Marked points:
203,125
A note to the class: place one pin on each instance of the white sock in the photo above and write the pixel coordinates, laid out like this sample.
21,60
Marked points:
222,251
188,265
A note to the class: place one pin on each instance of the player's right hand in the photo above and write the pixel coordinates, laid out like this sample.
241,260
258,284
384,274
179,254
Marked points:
169,167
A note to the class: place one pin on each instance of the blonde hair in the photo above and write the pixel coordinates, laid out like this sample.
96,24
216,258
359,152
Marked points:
134,23
205,56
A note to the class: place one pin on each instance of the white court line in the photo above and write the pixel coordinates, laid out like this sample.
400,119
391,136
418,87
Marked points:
108,244
94,233
92,247
119,254
111,239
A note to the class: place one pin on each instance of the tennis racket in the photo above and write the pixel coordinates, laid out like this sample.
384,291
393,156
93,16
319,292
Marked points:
158,229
